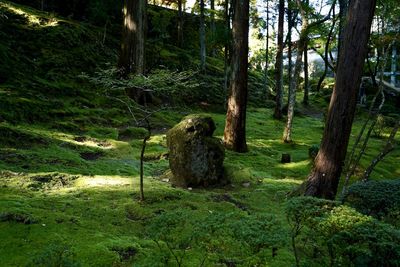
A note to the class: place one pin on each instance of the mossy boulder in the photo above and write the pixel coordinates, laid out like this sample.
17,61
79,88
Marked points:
195,157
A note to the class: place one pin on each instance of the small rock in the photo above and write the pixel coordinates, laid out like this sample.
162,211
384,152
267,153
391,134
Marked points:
190,189
247,184
285,158
165,180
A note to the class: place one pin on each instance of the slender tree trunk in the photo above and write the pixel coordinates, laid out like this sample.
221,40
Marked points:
202,38
290,46
306,83
212,7
235,125
324,178
132,54
390,144
301,44
266,53
279,62
393,66
227,48
180,24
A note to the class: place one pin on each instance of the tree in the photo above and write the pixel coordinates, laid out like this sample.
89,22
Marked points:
202,38
301,47
235,124
324,178
279,62
132,54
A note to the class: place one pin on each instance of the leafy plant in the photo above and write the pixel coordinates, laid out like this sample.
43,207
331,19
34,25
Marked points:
337,235
380,199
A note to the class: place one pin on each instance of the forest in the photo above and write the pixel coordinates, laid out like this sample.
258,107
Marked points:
199,133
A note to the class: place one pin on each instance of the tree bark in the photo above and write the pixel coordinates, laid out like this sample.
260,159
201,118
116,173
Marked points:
324,178
306,83
235,125
279,62
291,20
266,53
227,44
202,38
301,44
212,27
180,24
132,53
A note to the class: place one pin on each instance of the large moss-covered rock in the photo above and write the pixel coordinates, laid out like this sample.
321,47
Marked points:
195,157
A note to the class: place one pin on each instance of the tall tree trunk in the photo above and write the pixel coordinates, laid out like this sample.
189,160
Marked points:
279,62
393,66
290,46
301,44
306,83
235,125
212,26
324,178
202,38
180,23
228,46
266,53
132,54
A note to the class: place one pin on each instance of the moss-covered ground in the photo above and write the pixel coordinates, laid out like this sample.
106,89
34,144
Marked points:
69,167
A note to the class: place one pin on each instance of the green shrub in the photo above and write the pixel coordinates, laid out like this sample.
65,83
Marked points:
380,199
55,255
326,233
219,237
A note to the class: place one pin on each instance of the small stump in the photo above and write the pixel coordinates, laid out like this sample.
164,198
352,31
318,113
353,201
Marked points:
195,157
285,158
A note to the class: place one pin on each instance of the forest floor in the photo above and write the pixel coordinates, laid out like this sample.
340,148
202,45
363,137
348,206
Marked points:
75,197
69,169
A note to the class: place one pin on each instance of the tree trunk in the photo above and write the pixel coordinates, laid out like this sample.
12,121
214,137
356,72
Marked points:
228,43
324,178
212,26
306,83
180,24
235,125
301,44
132,54
202,38
279,62
266,53
393,66
289,40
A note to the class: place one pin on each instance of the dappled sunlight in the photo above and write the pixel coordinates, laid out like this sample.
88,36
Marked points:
259,143
295,165
99,181
157,139
32,19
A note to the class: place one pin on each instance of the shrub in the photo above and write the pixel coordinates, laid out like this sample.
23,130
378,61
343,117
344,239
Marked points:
380,199
326,233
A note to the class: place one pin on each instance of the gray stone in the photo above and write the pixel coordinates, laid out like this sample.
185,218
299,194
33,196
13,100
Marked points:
195,157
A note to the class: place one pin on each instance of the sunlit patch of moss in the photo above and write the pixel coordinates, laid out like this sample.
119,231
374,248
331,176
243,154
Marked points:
33,19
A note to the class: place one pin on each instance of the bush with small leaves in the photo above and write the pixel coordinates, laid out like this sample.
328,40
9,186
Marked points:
326,233
380,199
